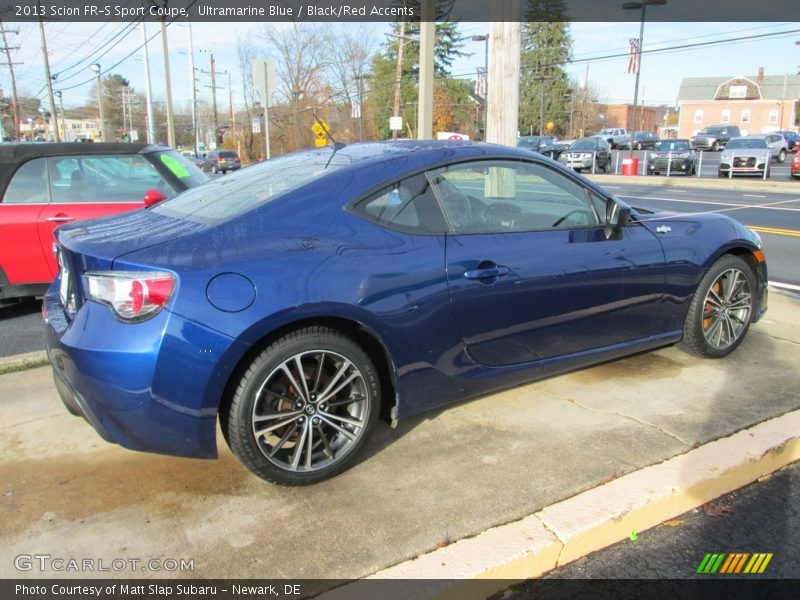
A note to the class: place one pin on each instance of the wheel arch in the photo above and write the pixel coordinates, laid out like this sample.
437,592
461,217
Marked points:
363,335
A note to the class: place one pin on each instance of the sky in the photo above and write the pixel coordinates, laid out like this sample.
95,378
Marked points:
72,47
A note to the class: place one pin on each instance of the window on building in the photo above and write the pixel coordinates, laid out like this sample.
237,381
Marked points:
726,116
746,116
698,116
773,115
738,91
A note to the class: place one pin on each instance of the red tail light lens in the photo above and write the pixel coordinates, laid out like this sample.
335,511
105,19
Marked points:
132,295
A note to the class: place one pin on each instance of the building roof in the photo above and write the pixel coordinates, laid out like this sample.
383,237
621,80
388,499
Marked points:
694,89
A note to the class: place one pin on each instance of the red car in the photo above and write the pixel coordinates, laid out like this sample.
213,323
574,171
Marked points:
45,185
796,166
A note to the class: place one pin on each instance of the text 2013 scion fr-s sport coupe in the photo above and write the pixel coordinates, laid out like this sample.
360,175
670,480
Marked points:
300,299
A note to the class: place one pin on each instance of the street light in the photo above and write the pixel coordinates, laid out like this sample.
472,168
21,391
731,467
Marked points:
639,6
96,68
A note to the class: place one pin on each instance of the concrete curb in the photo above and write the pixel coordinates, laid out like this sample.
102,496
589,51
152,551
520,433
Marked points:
594,519
20,362
737,185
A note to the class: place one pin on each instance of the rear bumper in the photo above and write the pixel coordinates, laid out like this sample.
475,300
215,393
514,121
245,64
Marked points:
145,386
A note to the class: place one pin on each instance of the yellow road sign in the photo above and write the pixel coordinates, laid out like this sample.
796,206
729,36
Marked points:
320,142
320,127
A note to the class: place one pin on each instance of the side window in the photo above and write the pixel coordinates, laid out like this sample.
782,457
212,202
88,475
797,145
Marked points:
501,196
408,205
104,179
29,184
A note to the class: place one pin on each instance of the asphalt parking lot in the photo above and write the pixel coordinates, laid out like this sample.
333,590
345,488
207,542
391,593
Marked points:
435,479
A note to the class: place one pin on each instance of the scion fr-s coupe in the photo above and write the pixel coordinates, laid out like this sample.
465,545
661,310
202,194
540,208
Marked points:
299,300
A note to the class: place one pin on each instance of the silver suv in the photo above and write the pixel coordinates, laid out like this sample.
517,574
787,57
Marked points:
778,148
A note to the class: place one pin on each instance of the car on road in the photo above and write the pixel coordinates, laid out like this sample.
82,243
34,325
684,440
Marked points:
297,301
747,155
792,140
221,161
715,137
642,140
672,156
795,169
587,153
45,185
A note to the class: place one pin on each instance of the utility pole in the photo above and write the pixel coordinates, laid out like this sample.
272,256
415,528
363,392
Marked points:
47,76
124,112
503,100
194,92
230,101
213,86
427,27
151,132
168,84
10,64
398,73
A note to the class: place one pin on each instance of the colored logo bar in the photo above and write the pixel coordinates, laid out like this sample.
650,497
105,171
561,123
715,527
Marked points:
734,563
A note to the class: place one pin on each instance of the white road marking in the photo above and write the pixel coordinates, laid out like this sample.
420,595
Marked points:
753,196
733,206
785,286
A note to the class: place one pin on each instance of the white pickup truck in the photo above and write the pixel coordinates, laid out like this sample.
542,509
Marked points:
612,135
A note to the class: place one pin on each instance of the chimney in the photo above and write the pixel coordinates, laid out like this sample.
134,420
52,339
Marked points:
761,73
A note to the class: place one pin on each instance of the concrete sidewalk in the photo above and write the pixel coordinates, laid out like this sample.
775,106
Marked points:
522,480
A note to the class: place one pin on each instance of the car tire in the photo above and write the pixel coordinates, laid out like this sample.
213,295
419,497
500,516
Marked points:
330,412
721,309
781,156
694,170
214,170
721,174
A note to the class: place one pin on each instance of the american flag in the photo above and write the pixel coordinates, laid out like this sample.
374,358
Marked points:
633,57
480,82
355,109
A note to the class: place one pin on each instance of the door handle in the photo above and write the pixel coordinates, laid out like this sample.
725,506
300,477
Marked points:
487,273
63,219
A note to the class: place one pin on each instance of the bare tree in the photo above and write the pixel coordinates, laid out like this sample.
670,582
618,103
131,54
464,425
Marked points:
246,54
301,52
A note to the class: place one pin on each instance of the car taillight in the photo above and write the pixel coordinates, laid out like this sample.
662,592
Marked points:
132,295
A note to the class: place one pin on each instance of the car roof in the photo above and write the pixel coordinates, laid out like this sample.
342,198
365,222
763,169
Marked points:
15,153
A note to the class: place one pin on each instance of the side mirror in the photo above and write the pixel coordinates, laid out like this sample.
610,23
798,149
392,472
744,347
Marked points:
153,197
617,216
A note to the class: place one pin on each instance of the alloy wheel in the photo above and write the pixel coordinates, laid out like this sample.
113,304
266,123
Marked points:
726,309
310,411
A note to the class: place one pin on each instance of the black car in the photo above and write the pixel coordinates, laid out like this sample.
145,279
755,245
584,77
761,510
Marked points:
672,156
715,137
221,161
642,140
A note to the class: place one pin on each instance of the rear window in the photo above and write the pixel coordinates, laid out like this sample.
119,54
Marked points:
183,168
227,154
228,197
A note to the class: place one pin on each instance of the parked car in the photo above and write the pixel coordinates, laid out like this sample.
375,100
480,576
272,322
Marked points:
45,185
221,161
715,137
672,156
642,140
612,135
745,156
587,153
543,144
792,140
776,144
795,170
303,297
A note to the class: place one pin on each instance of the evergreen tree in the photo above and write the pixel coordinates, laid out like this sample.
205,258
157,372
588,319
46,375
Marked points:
544,83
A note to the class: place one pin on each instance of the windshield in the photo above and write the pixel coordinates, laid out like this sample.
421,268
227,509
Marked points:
583,145
528,142
749,143
672,146
182,168
711,130
230,196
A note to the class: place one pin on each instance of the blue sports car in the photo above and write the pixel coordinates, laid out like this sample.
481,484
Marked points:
303,298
